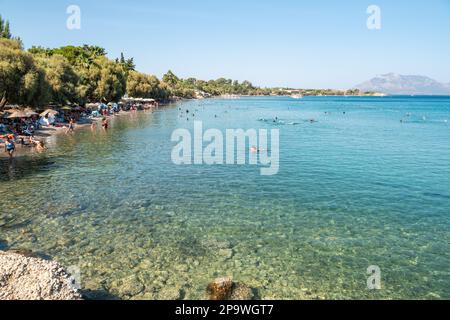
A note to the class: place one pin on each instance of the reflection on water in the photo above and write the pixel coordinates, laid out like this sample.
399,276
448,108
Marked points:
356,188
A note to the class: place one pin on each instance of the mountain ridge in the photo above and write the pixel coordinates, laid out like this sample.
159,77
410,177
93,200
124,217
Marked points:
396,84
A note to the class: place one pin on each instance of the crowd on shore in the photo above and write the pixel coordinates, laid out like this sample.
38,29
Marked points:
25,127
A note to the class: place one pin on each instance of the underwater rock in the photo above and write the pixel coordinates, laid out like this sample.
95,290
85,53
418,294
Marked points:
242,292
127,287
220,289
226,289
149,296
26,278
169,294
225,254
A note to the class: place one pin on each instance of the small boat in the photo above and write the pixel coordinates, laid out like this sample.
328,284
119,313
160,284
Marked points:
297,96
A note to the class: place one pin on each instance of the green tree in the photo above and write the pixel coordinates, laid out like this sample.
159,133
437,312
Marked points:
5,31
171,79
127,64
21,80
61,78
111,85
141,85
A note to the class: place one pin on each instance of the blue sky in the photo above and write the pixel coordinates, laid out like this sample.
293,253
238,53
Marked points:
308,44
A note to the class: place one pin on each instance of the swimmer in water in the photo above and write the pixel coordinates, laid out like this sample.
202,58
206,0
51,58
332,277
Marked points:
40,146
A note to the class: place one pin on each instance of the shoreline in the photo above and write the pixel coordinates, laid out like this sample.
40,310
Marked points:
45,133
41,135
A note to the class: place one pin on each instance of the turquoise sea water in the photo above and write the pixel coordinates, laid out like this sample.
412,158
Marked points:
359,187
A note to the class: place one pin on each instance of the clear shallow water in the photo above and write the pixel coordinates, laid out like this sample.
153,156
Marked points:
354,190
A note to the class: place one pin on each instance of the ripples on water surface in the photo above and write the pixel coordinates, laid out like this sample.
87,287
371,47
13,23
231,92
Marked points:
354,189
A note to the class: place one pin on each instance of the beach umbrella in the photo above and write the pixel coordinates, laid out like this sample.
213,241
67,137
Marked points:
30,112
18,114
49,112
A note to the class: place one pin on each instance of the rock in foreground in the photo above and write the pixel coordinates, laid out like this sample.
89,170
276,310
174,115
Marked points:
226,289
27,278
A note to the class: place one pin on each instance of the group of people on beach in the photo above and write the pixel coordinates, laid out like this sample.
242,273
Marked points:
22,131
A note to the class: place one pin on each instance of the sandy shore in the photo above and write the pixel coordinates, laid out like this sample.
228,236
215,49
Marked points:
45,133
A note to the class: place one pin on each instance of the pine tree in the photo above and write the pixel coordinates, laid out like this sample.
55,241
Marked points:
1,27
6,31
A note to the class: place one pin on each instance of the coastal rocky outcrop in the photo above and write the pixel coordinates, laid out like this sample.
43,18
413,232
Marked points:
28,278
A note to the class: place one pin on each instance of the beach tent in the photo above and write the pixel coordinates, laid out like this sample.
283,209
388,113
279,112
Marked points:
47,121
49,112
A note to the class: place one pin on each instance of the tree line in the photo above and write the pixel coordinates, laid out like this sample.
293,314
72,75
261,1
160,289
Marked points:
81,74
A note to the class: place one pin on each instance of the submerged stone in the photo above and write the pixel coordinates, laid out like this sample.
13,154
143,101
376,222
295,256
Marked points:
169,293
226,289
220,289
225,254
242,292
128,287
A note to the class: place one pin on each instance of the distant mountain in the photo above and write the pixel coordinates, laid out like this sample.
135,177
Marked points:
392,83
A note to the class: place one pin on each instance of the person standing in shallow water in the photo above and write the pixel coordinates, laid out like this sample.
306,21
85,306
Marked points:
71,126
105,124
10,146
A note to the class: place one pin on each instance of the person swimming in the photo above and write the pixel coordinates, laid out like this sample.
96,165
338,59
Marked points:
40,146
